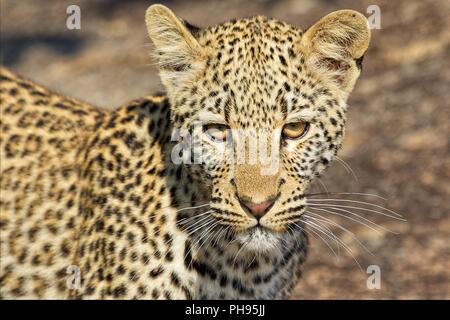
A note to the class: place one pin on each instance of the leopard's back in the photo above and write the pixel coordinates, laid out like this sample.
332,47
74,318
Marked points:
42,139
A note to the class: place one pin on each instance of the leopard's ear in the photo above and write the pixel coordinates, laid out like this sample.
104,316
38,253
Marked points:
335,46
176,47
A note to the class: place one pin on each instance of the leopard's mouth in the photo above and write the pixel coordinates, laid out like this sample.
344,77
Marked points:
258,228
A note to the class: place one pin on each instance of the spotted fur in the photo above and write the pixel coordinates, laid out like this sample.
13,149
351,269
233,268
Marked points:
99,189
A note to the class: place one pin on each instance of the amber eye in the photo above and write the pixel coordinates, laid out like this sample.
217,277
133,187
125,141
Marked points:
217,132
295,130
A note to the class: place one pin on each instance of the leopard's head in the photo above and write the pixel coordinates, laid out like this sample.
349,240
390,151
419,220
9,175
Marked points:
265,104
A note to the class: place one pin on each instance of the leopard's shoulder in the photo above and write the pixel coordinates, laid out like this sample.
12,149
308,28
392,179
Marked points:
52,149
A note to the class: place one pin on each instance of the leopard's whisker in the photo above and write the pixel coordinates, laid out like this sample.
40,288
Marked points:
205,235
346,193
195,207
211,220
322,229
214,231
216,235
336,239
319,228
221,234
188,219
251,261
320,237
184,202
239,251
322,184
358,202
347,167
318,204
339,241
318,217
369,225
281,253
231,241
306,231
198,227
292,233
195,217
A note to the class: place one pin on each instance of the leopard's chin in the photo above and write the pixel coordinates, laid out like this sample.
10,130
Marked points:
259,239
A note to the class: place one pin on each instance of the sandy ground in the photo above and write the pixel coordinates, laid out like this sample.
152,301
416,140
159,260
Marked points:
397,142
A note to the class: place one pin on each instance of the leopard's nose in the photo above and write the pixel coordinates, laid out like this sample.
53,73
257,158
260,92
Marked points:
258,210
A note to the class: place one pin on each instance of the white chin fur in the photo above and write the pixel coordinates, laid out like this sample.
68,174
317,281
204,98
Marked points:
258,240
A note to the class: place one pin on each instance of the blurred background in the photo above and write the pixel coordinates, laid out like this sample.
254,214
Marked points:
397,141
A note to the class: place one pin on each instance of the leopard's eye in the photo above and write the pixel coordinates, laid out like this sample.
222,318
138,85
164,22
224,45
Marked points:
217,132
295,130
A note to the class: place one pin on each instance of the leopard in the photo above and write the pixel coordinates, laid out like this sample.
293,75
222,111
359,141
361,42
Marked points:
101,203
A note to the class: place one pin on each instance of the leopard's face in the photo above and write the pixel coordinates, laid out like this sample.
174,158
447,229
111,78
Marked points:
264,114
262,152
